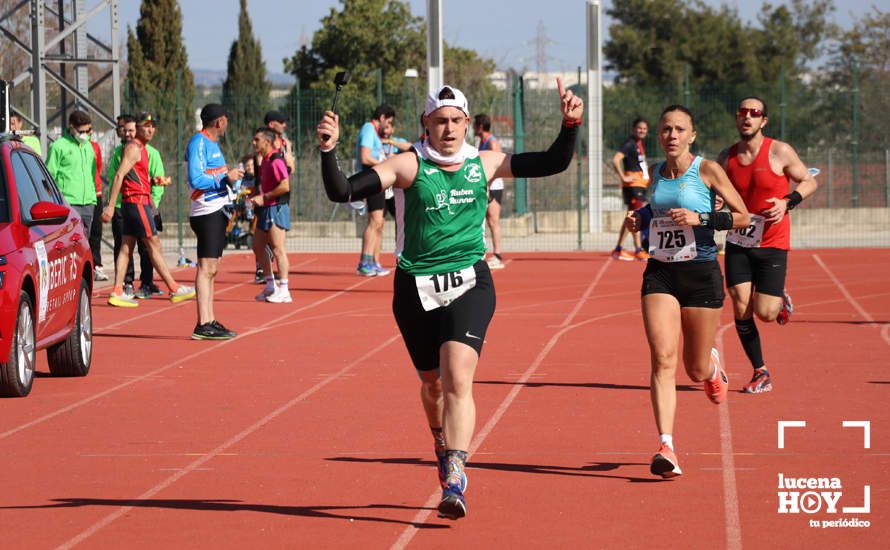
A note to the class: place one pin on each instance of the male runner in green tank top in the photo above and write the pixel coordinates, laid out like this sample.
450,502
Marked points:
443,295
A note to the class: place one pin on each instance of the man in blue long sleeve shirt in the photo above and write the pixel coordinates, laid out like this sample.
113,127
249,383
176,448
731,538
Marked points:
209,180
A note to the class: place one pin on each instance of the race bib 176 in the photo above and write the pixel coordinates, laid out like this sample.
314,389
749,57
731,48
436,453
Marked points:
441,289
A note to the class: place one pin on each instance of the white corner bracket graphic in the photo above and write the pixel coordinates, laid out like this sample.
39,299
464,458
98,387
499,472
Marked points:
788,424
866,503
866,431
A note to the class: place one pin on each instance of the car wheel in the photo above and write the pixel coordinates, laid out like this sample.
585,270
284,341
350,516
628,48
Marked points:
73,355
17,374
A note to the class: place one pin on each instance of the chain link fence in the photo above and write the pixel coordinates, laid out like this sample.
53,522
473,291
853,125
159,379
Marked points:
850,209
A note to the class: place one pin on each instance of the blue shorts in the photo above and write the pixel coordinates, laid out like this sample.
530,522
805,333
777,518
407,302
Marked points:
277,214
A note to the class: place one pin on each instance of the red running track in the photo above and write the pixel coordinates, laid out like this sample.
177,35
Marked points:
306,430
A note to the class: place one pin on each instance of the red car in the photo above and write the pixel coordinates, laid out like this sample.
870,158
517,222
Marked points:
46,274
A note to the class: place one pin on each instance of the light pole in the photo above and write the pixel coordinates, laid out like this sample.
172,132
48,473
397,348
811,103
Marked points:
411,74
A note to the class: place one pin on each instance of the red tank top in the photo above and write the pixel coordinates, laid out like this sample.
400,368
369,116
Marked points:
137,187
756,182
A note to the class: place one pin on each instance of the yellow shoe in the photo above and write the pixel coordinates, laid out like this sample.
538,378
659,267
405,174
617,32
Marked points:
182,294
121,300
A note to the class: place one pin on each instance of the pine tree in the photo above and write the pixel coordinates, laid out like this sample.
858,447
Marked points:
245,92
157,58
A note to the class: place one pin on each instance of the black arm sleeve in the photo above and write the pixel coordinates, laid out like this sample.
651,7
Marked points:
339,188
553,161
722,220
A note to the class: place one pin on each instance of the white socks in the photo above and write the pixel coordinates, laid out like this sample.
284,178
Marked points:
666,439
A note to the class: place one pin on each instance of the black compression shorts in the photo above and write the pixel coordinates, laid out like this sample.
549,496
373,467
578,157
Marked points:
496,195
211,232
464,320
765,268
377,201
693,284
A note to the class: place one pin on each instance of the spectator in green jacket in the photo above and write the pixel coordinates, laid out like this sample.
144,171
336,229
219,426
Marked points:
72,163
32,141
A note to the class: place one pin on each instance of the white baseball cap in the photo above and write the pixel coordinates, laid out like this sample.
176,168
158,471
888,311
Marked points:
433,102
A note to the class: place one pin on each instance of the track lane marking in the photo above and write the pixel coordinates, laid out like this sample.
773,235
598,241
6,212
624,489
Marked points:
505,404
219,450
276,321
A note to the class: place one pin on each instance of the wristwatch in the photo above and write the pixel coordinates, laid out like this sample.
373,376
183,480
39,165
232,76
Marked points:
704,218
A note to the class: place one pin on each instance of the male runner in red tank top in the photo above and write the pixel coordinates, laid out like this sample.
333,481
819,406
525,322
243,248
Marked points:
132,181
761,169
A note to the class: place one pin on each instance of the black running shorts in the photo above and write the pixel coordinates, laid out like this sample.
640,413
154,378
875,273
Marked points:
464,320
377,201
693,284
634,197
138,220
765,268
211,232
496,195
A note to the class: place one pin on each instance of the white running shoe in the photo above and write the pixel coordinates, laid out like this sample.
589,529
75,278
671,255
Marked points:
280,296
99,274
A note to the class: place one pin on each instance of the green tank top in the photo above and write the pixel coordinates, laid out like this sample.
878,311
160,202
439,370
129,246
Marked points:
443,216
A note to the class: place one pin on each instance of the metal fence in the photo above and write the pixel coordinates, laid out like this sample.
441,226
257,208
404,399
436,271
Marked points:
851,208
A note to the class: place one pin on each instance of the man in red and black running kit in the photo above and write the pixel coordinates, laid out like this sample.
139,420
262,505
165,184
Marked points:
761,169
133,183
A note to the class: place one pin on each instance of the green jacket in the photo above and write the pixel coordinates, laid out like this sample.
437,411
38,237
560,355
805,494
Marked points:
73,166
155,168
34,143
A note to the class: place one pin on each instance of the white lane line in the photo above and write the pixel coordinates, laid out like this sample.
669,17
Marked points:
162,310
840,286
586,295
431,502
727,459
196,465
270,324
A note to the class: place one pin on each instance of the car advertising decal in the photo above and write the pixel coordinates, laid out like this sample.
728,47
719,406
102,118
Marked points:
43,274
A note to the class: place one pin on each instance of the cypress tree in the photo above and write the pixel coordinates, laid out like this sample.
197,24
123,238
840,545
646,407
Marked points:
245,92
156,53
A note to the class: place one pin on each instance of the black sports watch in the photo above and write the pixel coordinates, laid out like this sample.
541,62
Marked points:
704,219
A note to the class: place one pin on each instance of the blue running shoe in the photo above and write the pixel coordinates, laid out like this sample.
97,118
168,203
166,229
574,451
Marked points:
442,470
453,505
380,270
366,270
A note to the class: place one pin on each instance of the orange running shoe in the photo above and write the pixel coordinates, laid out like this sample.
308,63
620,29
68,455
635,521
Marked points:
642,255
665,463
717,388
623,255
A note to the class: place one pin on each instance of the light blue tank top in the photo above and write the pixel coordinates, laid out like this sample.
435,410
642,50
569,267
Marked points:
690,192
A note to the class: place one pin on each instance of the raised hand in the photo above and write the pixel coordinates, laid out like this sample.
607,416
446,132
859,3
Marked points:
328,130
571,106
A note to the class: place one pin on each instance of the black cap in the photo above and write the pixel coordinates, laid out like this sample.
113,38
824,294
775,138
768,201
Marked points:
211,112
274,116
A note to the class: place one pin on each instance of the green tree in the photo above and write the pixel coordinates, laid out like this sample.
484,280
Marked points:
245,92
867,46
651,41
157,60
361,37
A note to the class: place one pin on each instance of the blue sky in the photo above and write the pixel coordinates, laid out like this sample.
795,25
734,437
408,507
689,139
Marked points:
508,38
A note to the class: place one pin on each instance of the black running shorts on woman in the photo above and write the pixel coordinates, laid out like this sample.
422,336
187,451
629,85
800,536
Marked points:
693,284
464,320
211,232
765,268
